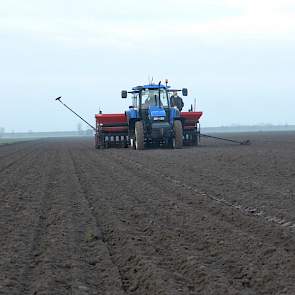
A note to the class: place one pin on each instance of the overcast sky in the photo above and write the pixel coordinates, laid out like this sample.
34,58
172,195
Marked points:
236,57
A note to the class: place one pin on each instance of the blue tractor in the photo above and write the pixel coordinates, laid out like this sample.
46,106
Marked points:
151,119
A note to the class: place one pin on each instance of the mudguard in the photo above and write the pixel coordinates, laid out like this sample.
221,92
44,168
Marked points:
132,113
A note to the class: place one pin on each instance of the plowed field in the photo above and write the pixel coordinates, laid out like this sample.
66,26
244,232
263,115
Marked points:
213,219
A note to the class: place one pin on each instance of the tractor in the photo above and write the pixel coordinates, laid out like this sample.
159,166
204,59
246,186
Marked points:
151,119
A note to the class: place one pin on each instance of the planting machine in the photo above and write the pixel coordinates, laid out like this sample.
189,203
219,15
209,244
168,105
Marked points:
149,121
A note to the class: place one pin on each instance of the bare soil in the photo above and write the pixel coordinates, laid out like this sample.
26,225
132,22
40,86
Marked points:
213,219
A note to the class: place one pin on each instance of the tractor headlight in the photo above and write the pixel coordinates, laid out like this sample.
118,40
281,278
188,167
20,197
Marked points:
159,118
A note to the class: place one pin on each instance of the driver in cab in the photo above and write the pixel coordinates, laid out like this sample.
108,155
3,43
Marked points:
152,100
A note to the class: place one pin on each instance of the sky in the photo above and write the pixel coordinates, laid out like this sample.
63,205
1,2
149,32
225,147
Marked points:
236,57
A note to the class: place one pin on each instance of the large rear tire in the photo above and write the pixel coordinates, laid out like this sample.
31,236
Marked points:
139,136
178,135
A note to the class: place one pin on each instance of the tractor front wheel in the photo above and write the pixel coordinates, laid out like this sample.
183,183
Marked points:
139,136
178,135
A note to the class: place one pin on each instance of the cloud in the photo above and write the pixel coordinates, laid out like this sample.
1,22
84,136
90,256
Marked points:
133,26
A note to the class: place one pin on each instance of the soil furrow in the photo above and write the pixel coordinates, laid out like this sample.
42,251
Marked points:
66,257
251,210
12,149
240,174
25,155
139,273
75,220
107,273
18,218
161,197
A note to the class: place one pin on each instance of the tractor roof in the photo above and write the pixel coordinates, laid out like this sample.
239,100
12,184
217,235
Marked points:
155,86
150,86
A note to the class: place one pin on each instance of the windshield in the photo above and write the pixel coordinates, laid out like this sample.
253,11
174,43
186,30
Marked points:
150,97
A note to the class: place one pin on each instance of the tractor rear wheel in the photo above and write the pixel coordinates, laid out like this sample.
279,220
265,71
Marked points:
178,135
139,136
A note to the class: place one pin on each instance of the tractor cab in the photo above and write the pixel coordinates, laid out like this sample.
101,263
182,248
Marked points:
153,104
153,97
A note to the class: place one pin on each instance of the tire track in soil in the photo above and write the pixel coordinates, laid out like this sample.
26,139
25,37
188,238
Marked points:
26,257
163,238
41,224
140,263
248,211
12,149
65,255
17,180
26,153
29,276
140,267
95,221
259,174
285,245
42,274
19,197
